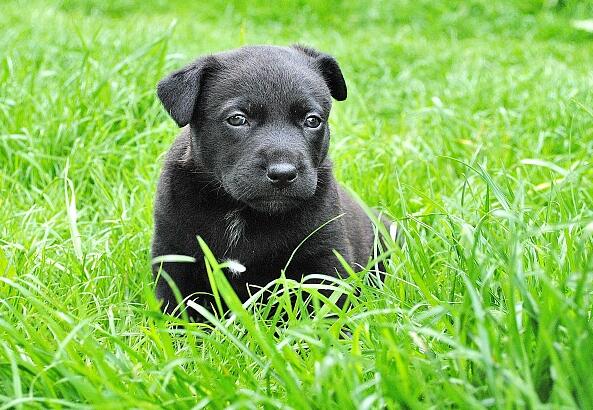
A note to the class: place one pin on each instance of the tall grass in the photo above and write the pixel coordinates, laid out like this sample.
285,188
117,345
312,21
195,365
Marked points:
471,124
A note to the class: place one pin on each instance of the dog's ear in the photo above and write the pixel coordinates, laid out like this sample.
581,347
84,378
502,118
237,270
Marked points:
329,69
179,90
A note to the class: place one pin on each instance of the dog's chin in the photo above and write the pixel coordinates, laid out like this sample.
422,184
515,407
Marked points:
273,205
270,201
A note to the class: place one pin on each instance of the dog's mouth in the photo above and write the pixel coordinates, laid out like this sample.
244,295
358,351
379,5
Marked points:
269,199
273,204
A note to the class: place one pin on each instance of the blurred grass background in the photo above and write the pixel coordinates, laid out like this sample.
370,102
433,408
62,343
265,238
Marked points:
469,122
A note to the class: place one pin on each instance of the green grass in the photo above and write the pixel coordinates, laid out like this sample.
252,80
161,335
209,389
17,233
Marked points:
469,122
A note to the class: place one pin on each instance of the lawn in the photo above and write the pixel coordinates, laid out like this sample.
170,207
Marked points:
470,123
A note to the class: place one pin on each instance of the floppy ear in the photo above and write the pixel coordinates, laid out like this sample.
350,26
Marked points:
179,90
329,69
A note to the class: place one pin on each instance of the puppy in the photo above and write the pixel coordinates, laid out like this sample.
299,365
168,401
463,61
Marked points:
249,172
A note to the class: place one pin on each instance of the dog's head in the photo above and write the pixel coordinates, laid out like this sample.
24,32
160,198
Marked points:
259,120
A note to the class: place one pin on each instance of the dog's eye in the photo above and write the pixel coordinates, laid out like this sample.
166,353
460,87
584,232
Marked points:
312,121
237,120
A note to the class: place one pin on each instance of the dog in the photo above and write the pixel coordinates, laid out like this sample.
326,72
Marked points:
250,172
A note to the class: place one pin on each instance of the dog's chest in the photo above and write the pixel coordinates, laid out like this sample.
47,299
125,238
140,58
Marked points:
255,242
234,230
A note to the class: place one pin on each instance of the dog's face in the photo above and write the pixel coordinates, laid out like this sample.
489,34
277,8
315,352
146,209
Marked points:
258,117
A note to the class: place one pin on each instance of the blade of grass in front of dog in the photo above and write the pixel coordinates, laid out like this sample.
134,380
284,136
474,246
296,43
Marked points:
214,287
307,237
373,217
176,293
223,328
173,258
283,296
261,337
329,303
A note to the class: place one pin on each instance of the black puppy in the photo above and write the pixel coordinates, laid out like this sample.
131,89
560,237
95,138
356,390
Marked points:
249,172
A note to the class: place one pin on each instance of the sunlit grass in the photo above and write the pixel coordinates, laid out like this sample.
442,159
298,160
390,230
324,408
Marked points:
471,124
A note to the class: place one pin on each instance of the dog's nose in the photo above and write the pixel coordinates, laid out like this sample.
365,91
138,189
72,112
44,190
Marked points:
282,174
